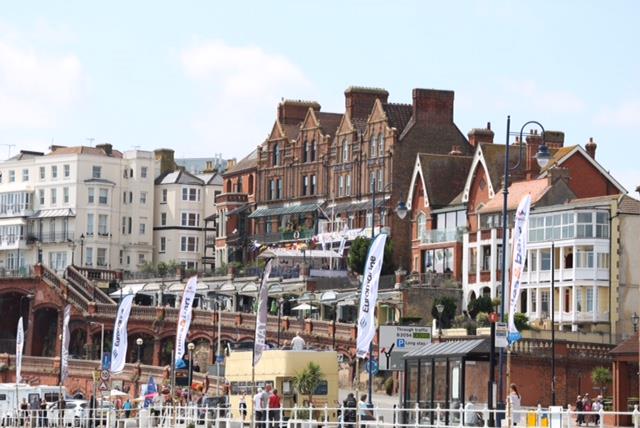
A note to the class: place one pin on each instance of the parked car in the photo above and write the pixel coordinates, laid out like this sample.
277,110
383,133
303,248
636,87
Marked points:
75,412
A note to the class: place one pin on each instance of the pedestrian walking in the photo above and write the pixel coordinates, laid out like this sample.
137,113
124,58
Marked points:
349,405
274,408
242,407
516,408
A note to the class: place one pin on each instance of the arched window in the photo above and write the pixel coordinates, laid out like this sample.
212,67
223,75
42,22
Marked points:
228,186
372,147
250,184
276,154
422,227
381,144
305,151
239,185
345,150
314,150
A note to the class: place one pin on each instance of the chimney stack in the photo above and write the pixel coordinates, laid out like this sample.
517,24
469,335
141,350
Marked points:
231,163
106,147
166,159
292,112
481,135
433,106
591,147
359,101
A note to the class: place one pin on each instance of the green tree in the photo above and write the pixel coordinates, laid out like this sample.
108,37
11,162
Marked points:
306,381
601,377
358,256
448,313
481,304
521,321
162,269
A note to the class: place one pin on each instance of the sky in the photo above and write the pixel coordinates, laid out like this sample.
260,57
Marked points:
205,77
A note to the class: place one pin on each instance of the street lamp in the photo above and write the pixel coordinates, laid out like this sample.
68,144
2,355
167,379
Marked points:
39,247
401,211
139,342
542,157
634,320
191,347
82,250
440,309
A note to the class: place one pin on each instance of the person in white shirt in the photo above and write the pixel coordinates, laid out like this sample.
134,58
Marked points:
297,343
258,407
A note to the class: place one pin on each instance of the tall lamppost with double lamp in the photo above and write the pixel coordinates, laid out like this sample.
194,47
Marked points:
440,309
94,323
81,249
139,342
542,157
635,319
401,211
191,347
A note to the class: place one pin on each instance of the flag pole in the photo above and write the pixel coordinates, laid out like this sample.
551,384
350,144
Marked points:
509,404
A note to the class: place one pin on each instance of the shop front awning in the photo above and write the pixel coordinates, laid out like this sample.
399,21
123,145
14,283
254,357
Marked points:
454,348
61,212
294,209
298,254
349,207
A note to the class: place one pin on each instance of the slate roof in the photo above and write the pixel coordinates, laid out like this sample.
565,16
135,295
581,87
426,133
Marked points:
398,115
444,176
435,138
25,154
556,155
84,150
179,177
494,159
248,162
629,205
536,188
329,122
628,347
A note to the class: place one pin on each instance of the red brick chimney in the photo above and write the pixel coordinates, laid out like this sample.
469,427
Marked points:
591,147
534,141
433,106
481,135
292,112
359,101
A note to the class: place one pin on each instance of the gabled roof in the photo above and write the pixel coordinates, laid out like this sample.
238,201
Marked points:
84,150
210,178
629,205
179,176
248,162
629,347
398,115
25,154
443,177
561,155
490,157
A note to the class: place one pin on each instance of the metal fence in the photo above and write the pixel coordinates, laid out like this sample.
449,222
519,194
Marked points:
308,417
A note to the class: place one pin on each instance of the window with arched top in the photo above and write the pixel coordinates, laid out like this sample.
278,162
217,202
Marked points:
250,184
239,185
305,151
276,154
381,145
422,227
228,186
372,147
345,150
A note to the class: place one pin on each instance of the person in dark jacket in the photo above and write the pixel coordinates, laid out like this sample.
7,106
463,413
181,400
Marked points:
350,404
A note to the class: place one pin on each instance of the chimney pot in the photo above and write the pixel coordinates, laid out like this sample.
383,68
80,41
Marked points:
591,147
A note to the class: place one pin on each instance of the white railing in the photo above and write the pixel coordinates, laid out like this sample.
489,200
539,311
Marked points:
82,416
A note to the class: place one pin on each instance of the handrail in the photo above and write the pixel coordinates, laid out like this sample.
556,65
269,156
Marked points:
70,293
88,287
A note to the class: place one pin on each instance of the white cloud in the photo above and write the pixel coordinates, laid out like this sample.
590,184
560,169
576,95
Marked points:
241,86
554,101
626,114
36,88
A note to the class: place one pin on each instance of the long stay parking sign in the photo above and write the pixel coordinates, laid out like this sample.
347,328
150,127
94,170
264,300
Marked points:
395,341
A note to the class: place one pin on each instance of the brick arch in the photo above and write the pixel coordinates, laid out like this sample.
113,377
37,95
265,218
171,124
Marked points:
147,331
200,335
46,305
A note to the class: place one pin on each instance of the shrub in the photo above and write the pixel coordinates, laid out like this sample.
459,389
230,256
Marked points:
481,304
448,313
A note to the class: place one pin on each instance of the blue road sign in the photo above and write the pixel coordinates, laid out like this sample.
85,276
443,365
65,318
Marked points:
220,359
372,367
106,361
400,343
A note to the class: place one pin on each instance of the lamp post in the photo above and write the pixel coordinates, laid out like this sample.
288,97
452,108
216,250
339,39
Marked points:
39,248
440,309
401,211
280,302
634,320
82,250
139,342
542,157
72,244
191,347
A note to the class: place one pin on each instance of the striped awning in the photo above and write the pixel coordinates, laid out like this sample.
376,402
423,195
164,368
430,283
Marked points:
453,348
61,212
294,209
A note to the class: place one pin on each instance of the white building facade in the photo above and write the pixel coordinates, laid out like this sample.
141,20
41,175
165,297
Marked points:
88,206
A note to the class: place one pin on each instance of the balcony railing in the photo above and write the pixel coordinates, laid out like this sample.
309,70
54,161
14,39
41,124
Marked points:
436,236
290,235
50,237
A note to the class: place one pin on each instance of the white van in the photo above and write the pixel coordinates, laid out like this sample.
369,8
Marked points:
9,402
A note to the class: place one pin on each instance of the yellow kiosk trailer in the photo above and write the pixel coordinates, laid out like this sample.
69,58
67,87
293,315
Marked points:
277,368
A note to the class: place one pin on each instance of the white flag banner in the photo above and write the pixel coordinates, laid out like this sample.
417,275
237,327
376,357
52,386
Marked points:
66,337
184,316
119,343
19,348
369,295
519,243
343,241
260,342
